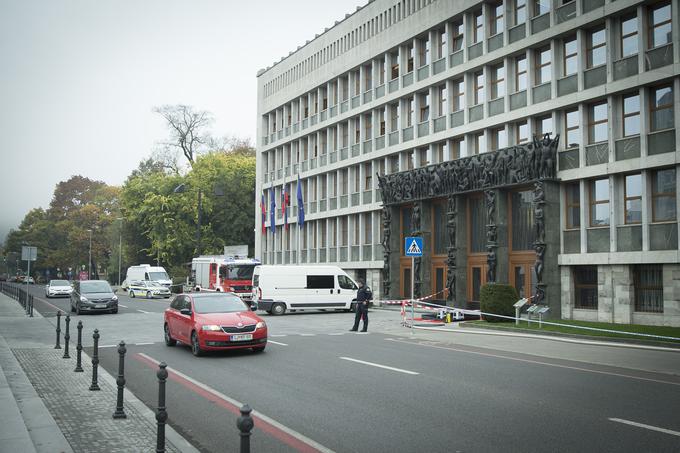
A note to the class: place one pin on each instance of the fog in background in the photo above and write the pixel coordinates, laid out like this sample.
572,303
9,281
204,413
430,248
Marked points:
78,80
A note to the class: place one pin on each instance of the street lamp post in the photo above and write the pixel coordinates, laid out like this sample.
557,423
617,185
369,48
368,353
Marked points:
89,261
120,247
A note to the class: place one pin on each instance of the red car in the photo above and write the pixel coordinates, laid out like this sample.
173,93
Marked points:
212,322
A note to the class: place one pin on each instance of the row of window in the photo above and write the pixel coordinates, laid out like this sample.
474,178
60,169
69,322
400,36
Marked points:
662,199
647,288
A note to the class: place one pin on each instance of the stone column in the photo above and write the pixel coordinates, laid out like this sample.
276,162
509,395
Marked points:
451,224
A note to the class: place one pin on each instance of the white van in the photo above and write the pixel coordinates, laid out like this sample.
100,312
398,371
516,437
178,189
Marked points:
280,288
146,272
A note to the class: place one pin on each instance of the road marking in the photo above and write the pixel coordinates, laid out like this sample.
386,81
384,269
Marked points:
145,312
650,427
307,334
281,432
337,333
121,305
537,362
380,366
278,335
144,344
276,342
108,346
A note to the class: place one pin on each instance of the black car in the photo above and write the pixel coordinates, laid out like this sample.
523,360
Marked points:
93,296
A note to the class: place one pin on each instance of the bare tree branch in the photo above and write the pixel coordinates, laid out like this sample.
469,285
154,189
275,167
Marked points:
187,128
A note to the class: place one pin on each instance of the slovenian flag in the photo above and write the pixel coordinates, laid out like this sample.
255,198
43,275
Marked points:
285,202
301,205
272,209
264,213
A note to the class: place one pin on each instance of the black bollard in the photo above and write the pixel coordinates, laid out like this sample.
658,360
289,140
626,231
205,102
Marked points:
79,348
27,304
95,360
245,424
162,414
31,313
67,337
58,346
120,381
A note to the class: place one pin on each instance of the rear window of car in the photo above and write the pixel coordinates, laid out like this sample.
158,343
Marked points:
219,304
60,283
95,287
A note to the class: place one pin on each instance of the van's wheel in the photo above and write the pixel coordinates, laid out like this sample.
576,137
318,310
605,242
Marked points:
353,307
169,341
278,309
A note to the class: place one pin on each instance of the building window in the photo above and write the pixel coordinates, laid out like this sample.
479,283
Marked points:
409,112
497,82
648,288
424,107
631,115
479,88
544,126
441,43
522,132
457,38
520,11
573,205
368,177
458,95
599,202
368,228
478,27
597,123
496,20
441,98
521,73
660,26
523,231
480,143
381,121
570,56
572,132
541,7
543,63
478,223
499,139
440,236
458,148
633,199
661,108
596,53
629,36
585,287
663,195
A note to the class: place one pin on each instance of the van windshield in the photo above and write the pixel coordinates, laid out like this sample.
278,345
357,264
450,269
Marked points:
158,276
237,272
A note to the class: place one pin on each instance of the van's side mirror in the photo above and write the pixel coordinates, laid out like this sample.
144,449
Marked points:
253,307
186,311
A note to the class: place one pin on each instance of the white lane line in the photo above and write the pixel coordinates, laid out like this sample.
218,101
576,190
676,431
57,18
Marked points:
276,342
307,334
145,312
272,335
144,344
537,362
299,436
337,333
649,427
108,346
121,305
380,366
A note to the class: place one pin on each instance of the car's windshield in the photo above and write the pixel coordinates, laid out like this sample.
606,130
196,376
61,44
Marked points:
60,283
95,287
218,304
237,272
158,276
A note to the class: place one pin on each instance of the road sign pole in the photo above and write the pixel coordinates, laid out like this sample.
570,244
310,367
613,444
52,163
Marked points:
413,296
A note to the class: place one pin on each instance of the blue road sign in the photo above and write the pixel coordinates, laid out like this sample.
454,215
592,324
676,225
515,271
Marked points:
413,246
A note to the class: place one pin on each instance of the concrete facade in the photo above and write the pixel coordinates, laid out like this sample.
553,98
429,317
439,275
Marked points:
399,85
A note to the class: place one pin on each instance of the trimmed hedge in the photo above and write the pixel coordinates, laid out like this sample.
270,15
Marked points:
498,298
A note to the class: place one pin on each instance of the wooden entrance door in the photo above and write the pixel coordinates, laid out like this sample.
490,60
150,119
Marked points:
522,275
476,271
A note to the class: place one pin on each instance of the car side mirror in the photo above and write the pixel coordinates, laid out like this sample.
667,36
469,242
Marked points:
185,311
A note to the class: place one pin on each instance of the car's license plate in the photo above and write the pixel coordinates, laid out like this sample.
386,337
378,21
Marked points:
100,306
242,337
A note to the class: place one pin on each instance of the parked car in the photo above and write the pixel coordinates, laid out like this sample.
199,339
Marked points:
92,296
146,272
148,289
213,321
29,280
56,288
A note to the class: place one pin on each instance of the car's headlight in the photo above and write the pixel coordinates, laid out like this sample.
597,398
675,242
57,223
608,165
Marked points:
83,299
260,325
114,298
211,328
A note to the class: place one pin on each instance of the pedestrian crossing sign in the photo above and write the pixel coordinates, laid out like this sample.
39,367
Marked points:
413,246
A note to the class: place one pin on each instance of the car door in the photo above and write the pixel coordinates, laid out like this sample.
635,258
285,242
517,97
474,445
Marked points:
347,290
184,321
171,316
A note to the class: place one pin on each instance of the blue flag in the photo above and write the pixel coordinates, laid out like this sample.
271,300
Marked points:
272,210
301,205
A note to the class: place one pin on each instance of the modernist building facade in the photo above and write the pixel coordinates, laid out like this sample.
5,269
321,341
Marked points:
532,142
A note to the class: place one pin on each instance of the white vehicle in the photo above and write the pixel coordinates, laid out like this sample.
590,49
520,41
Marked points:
146,272
57,288
280,288
232,274
148,289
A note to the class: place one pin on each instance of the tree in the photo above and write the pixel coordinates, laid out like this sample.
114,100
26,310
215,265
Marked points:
72,194
187,129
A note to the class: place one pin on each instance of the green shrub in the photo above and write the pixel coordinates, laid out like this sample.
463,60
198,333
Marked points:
498,298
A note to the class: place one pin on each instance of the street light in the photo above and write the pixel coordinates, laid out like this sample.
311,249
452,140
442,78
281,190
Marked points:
120,247
89,261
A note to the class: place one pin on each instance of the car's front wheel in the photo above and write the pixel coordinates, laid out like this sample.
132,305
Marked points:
148,295
195,346
169,341
131,294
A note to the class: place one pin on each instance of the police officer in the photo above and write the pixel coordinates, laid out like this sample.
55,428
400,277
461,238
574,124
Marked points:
363,296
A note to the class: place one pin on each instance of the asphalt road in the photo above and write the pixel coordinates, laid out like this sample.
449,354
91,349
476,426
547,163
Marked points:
321,388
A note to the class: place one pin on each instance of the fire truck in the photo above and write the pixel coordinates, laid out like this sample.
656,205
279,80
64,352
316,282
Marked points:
231,272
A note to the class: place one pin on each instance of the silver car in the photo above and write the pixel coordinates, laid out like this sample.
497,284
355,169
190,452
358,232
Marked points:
148,289
58,288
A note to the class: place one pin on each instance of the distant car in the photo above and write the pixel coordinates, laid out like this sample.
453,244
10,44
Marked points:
29,280
92,296
148,289
213,321
56,288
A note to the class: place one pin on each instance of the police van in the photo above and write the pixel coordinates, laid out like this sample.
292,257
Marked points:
277,289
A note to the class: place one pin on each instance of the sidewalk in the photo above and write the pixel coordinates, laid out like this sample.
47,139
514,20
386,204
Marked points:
46,407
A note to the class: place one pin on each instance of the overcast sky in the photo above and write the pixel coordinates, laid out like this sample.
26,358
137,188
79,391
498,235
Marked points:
79,78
